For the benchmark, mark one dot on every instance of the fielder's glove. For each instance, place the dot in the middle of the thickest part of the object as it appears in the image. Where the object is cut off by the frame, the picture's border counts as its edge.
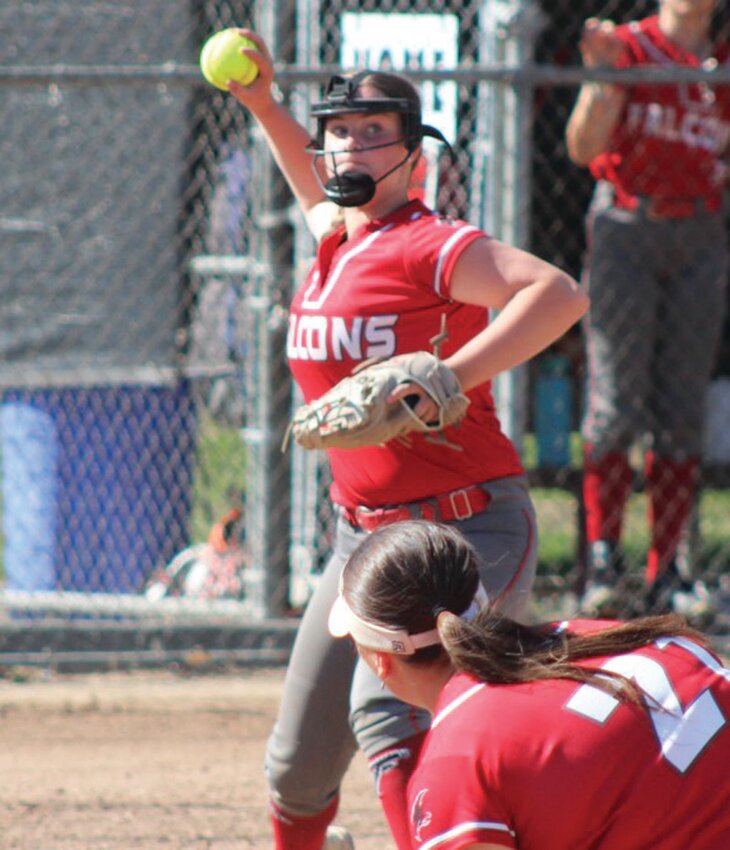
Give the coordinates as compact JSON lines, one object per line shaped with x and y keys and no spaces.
{"x":355,"y":412}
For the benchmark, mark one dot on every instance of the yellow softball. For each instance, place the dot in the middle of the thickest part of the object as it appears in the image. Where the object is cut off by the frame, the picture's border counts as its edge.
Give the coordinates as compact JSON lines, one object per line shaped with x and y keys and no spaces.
{"x":222,"y":61}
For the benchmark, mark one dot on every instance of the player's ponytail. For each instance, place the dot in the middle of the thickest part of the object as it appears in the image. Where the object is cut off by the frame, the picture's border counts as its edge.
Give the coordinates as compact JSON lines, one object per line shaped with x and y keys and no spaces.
{"x":417,"y":576}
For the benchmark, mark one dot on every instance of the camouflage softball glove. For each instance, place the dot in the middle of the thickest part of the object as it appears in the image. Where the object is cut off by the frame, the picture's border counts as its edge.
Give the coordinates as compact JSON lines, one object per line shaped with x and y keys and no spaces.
{"x":355,"y":412}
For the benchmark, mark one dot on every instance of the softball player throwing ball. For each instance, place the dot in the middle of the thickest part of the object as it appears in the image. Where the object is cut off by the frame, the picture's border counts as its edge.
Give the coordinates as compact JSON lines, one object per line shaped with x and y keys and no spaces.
{"x":381,"y":285}
{"x":656,"y":271}
{"x":583,"y":734}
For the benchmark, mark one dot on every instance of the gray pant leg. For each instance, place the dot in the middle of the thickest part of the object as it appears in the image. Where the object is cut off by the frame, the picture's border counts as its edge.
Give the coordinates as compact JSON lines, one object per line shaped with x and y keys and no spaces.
{"x":505,"y":536}
{"x":312,"y":744}
{"x":657,"y":306}
{"x":689,"y":326}
{"x":619,"y":330}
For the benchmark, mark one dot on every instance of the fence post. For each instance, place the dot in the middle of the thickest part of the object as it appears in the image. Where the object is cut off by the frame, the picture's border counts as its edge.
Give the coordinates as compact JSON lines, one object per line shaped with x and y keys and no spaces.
{"x":268,"y":477}
{"x":509,"y":30}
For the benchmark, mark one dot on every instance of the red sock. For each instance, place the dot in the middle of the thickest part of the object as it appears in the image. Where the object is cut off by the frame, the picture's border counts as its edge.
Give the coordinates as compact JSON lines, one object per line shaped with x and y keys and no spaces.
{"x":671,"y":487}
{"x":293,"y":832}
{"x":392,"y":768}
{"x":607,"y":484}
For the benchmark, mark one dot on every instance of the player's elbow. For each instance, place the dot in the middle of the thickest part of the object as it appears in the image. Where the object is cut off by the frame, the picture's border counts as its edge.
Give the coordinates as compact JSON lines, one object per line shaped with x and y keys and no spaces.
{"x":573,"y":299}
{"x":579,"y":150}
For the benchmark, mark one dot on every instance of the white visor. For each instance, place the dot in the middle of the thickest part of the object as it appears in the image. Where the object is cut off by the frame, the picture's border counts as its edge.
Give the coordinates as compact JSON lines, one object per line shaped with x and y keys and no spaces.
{"x":344,"y":621}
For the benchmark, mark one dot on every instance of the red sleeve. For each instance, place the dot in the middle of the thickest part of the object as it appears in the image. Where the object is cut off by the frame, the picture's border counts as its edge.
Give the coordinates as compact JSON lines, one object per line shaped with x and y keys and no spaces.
{"x":629,"y":58}
{"x":435,"y":243}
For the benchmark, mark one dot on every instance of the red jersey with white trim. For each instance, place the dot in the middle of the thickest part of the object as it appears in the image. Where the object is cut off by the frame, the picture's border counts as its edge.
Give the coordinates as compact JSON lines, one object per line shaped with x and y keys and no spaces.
{"x":553,"y":765}
{"x":380,"y":293}
{"x":670,"y":138}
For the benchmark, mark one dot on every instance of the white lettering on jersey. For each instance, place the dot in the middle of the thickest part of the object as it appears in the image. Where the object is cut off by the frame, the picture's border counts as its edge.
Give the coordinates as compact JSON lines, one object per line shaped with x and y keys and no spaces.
{"x":698,"y":127}
{"x":380,"y":336}
{"x":323,"y":338}
{"x":683,"y":734}
{"x":347,"y":339}
{"x":693,"y":129}
{"x":315,"y":340}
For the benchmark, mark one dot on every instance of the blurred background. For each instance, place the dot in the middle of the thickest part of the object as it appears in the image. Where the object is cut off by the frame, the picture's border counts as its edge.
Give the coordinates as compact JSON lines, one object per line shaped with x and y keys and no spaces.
{"x":149,"y":250}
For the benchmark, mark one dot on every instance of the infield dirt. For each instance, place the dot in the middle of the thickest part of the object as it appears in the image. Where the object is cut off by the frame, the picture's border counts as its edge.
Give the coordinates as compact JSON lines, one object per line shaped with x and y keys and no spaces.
{"x":148,"y":760}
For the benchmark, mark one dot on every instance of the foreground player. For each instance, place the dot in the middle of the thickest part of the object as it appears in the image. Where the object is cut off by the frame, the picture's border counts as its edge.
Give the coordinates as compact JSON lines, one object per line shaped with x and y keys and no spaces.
{"x":657,"y":271}
{"x":587,"y":734}
{"x":380,"y":285}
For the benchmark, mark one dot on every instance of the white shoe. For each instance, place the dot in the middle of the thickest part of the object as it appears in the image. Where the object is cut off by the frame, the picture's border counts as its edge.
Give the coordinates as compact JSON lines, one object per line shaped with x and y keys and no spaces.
{"x":694,"y":603}
{"x":338,"y":838}
{"x":600,"y":600}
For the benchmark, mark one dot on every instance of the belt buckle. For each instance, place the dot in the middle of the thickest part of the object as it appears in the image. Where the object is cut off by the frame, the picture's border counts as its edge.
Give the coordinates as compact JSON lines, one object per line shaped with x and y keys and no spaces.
{"x":652,"y":214}
{"x":652,"y":210}
{"x":667,"y":209}
{"x":367,"y":514}
{"x":464,"y":494}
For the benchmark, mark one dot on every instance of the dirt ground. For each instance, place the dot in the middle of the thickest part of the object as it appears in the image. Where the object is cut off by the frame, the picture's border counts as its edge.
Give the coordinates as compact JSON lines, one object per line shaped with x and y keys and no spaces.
{"x":148,"y":760}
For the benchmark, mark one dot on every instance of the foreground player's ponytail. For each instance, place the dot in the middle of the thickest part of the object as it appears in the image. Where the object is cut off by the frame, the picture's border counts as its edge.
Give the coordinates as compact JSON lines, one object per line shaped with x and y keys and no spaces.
{"x":501,"y":651}
{"x":414,"y":575}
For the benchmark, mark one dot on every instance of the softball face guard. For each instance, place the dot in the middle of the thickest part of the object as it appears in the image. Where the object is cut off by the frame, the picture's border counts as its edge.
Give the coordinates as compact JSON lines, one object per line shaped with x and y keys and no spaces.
{"x":354,"y":189}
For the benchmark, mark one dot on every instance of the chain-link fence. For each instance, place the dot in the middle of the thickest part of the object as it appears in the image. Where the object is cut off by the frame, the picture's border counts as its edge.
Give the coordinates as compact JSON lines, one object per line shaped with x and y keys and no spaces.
{"x":150,"y":247}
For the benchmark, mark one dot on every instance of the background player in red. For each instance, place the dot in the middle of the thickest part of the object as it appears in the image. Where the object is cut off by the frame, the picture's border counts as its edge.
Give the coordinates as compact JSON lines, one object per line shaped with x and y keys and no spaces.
{"x":380,"y":285}
{"x":584,"y":734}
{"x":656,"y":271}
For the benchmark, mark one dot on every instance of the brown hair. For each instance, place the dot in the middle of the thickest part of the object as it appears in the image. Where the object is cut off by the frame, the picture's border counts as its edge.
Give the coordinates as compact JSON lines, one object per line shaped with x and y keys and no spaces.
{"x":394,"y":85}
{"x":410,"y":575}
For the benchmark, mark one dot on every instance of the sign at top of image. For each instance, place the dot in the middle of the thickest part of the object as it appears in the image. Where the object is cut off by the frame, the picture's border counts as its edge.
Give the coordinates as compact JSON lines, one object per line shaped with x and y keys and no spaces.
{"x":407,"y":42}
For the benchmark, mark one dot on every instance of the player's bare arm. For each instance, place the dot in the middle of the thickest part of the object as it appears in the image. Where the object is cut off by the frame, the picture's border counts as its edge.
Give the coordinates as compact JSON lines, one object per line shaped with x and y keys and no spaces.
{"x":287,"y":139}
{"x":599,"y":106}
{"x":537,"y":304}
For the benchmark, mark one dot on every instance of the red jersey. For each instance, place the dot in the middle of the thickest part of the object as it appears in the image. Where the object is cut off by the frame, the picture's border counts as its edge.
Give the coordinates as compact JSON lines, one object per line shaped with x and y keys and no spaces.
{"x":380,"y":293}
{"x":670,"y":137}
{"x":554,"y":764}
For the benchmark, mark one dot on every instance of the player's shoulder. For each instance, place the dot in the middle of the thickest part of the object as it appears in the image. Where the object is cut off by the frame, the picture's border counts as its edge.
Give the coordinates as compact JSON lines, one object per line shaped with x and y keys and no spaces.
{"x":628,"y":30}
{"x":432,"y":243}
{"x":426,"y":219}
{"x":456,"y":695}
{"x":642,"y":38}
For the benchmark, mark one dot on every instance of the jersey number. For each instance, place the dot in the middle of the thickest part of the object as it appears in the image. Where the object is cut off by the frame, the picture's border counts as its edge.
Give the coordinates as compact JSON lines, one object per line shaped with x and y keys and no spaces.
{"x":682,"y":733}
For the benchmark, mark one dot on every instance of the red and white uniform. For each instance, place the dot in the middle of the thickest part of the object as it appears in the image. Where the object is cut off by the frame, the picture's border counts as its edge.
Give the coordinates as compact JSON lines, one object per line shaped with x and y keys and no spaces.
{"x":671,"y":137}
{"x":553,"y":765}
{"x":380,"y":293}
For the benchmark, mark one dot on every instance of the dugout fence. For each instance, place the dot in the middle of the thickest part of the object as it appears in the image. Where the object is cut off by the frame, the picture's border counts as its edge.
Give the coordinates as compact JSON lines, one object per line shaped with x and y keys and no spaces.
{"x":150,"y":247}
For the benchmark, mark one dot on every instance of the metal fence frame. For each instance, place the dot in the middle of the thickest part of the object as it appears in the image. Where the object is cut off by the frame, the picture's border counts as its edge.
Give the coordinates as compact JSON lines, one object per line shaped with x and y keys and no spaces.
{"x":286,"y":544}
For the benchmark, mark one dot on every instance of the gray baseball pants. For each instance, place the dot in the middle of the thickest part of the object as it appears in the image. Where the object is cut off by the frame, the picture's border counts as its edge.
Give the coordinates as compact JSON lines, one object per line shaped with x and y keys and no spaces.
{"x":333,"y":703}
{"x":657,"y":291}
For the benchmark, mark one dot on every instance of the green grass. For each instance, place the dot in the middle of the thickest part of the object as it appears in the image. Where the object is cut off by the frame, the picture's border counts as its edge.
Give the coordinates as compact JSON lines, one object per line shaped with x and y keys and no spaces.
{"x":219,"y":480}
{"x":557,"y":521}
